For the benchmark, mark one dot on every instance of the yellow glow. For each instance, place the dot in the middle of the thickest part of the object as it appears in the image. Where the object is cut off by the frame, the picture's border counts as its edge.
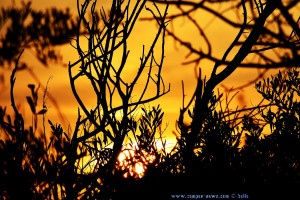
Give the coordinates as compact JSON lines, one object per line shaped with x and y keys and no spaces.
{"x":173,"y":71}
{"x":134,"y":162}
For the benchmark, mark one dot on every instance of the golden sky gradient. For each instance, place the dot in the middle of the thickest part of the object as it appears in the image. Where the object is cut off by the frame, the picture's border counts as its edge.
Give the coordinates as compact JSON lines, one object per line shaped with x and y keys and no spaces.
{"x":174,"y":72}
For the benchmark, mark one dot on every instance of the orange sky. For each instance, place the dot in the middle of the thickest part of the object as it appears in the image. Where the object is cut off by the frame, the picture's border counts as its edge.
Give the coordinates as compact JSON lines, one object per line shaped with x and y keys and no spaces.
{"x":173,"y":72}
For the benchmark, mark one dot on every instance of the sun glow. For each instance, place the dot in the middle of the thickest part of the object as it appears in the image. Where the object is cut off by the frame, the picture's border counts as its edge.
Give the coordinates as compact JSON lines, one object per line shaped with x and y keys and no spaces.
{"x":134,"y":162}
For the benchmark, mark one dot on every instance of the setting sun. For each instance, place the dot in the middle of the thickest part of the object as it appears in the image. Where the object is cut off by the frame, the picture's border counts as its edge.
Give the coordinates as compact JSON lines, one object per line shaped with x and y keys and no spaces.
{"x":134,"y":162}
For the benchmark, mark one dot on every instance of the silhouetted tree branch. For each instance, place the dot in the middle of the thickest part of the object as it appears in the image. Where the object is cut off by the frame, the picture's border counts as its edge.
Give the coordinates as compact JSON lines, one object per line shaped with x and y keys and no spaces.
{"x":273,"y":37}
{"x":116,"y":98}
{"x":268,"y":47}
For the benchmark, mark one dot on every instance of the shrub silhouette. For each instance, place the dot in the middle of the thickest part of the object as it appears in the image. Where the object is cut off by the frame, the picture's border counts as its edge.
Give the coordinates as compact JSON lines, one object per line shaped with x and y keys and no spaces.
{"x":31,"y":166}
{"x":267,"y":160}
{"x":274,"y":158}
{"x":62,"y":166}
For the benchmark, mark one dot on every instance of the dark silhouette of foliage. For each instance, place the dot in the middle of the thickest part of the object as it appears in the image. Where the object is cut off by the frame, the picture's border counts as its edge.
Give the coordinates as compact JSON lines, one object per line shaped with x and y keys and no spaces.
{"x":248,"y":43}
{"x":31,"y":166}
{"x":36,"y":31}
{"x":58,"y":170}
{"x":210,"y":137}
{"x":272,"y":158}
{"x":101,"y":126}
{"x":40,"y":31}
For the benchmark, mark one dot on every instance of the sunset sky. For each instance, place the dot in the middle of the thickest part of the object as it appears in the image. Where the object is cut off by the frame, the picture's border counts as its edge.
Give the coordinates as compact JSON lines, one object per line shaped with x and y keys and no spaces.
{"x":174,"y":72}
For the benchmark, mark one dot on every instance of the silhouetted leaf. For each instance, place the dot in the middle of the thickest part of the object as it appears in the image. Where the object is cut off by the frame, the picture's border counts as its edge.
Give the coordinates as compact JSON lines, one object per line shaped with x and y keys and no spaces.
{"x":31,"y":104}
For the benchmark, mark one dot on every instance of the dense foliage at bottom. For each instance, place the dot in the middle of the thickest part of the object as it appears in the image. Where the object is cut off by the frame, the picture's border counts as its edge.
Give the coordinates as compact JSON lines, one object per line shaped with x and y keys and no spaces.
{"x":252,"y":151}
